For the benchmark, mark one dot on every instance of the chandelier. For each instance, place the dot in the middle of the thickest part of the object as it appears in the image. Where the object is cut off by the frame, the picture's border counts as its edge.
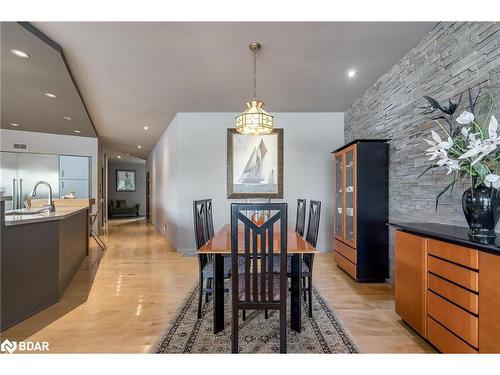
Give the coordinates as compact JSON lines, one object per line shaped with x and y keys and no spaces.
{"x":254,"y":120}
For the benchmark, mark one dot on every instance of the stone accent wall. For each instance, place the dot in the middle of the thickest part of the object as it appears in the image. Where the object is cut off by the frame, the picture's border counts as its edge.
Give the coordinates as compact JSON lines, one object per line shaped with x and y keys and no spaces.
{"x":449,"y":60}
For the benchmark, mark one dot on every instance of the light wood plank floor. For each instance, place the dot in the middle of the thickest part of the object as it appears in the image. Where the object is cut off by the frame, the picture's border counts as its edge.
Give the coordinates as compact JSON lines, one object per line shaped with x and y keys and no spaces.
{"x":121,"y":299}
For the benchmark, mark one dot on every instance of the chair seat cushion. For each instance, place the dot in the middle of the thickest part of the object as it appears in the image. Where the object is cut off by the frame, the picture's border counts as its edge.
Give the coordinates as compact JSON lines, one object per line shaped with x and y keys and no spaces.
{"x":276,"y":265}
{"x":208,"y":270}
{"x":276,"y":286}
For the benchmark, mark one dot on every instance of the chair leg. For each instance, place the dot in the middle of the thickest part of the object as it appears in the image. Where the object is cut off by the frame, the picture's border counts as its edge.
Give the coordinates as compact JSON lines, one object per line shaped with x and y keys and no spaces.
{"x":244,"y":315}
{"x":282,"y":330}
{"x":97,"y":239}
{"x":200,"y":297}
{"x":309,"y":291}
{"x":266,"y":314}
{"x":234,"y":330}
{"x":209,"y":286}
{"x":304,"y":288}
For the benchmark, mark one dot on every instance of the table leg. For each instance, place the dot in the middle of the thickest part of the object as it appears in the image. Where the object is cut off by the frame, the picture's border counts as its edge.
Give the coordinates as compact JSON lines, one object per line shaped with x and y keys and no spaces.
{"x":218,"y":289}
{"x":296,"y":292}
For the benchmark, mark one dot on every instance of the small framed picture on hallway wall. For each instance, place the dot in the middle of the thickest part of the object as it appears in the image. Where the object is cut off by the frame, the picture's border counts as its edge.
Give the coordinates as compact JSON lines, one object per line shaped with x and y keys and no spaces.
{"x":125,"y":180}
{"x":254,"y":165}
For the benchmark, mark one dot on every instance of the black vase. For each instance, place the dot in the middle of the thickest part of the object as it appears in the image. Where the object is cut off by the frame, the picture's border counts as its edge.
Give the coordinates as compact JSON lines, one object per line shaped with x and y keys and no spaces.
{"x":481,"y":207}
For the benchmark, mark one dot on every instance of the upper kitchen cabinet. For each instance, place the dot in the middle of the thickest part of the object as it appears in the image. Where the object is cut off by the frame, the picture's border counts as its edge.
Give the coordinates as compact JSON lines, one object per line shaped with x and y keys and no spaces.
{"x":73,"y":167}
{"x":361,"y":209}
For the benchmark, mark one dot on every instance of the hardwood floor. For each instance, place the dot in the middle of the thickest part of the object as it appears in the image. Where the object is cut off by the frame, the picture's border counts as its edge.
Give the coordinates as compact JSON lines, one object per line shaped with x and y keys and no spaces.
{"x":120,"y":300}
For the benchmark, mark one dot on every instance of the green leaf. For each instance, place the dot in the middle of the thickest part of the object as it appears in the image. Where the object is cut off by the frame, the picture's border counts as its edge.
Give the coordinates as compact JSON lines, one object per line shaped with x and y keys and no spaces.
{"x":427,"y":170}
{"x":444,"y":191}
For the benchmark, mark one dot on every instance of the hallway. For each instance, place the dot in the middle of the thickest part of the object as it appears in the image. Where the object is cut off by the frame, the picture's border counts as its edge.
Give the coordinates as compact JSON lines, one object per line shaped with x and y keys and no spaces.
{"x":121,"y":300}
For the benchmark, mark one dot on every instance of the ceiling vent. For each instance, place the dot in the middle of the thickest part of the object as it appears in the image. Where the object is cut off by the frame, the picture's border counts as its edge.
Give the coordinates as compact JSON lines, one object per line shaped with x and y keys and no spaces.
{"x":21,"y":146}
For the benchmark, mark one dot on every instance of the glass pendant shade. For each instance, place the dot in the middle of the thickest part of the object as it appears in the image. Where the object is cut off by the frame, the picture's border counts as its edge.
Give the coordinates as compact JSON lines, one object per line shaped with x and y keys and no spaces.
{"x":254,"y":120}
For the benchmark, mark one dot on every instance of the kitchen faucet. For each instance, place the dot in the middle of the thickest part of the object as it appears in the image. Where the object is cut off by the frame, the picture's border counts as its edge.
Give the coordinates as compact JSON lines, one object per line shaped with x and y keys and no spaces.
{"x":50,"y":203}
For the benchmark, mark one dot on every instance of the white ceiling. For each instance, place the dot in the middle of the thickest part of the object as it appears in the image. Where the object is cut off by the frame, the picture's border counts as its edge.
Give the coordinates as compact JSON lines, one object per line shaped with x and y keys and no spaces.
{"x":25,"y":81}
{"x":133,"y":74}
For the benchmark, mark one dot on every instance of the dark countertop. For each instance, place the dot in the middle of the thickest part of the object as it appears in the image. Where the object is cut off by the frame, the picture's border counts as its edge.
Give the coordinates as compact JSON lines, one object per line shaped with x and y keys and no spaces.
{"x":451,"y":233}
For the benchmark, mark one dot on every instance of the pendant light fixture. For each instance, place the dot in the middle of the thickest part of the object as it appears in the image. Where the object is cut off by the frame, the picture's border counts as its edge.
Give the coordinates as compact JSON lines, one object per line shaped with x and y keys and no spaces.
{"x":254,"y":120}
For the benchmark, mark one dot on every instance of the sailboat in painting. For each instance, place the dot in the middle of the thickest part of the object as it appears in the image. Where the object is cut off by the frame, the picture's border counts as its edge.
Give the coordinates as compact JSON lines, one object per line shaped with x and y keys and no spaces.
{"x":270,"y":179}
{"x":252,"y":173}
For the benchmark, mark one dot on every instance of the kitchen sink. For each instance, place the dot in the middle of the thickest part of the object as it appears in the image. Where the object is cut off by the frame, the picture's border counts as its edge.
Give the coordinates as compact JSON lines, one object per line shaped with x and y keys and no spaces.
{"x":26,"y":211}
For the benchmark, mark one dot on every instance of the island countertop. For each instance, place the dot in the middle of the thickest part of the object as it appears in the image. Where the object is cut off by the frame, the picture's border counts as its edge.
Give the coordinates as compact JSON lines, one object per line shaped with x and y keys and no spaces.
{"x":59,"y":214}
{"x":451,"y":233}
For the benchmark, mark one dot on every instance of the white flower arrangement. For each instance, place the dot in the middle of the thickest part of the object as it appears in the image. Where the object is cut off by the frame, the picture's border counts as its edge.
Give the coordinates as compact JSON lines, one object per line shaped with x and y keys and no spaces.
{"x":469,"y":151}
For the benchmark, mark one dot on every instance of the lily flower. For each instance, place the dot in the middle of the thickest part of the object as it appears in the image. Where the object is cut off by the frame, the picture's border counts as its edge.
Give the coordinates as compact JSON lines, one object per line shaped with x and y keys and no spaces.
{"x":465,"y":118}
{"x":492,"y":180}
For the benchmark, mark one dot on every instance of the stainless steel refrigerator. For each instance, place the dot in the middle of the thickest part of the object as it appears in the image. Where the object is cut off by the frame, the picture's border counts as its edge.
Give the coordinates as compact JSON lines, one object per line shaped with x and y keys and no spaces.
{"x":20,"y":171}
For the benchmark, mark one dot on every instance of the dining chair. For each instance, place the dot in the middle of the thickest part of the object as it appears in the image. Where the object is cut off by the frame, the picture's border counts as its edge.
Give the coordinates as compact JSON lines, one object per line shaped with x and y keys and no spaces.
{"x":92,"y":221}
{"x":308,"y":259}
{"x":300,"y":222}
{"x":203,"y":231}
{"x":258,"y":287}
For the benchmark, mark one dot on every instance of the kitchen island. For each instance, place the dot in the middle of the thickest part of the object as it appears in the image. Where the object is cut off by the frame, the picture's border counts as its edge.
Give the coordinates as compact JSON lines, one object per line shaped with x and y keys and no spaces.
{"x":40,"y":254}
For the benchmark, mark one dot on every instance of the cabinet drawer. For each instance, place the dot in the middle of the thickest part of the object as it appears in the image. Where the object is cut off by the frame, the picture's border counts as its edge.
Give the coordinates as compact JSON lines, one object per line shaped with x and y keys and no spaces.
{"x":454,"y":253}
{"x":458,"y":321}
{"x":444,"y":340}
{"x":462,"y":276}
{"x":345,"y":250}
{"x":345,"y":264}
{"x":456,"y":294}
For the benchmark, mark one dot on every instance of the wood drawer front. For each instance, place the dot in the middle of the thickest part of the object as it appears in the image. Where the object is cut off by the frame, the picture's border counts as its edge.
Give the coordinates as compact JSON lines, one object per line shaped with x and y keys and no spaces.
{"x":345,"y":250}
{"x":345,"y":264}
{"x":458,"y":321}
{"x":459,"y":275}
{"x":460,"y":296}
{"x":444,"y":340}
{"x":454,"y":253}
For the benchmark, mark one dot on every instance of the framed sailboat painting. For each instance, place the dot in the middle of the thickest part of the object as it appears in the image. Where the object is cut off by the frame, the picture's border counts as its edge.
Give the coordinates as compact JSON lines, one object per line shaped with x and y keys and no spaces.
{"x":254,"y":165}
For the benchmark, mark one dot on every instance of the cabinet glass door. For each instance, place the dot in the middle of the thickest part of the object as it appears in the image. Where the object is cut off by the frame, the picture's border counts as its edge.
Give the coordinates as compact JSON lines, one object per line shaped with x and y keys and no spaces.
{"x":350,"y":196}
{"x":339,"y":197}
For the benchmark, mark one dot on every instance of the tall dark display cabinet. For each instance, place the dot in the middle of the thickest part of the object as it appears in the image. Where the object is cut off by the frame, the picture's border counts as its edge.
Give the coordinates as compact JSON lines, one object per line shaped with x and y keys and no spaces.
{"x":361,"y":214}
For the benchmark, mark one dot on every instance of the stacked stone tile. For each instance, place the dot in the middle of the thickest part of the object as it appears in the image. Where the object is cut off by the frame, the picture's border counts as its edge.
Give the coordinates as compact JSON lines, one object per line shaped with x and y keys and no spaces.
{"x":450,"y":59}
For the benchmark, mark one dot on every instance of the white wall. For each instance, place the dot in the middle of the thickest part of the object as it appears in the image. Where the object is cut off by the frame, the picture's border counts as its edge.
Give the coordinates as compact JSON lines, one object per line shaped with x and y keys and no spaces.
{"x":189,"y":162}
{"x":44,"y":143}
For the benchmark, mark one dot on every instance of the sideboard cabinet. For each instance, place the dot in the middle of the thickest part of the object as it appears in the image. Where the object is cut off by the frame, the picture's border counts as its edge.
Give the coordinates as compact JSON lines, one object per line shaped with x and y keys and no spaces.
{"x":361,"y":209}
{"x":448,"y":292}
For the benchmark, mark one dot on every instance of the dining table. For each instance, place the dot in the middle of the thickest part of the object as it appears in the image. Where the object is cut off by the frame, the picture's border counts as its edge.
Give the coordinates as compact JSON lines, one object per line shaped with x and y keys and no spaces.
{"x":220,"y":246}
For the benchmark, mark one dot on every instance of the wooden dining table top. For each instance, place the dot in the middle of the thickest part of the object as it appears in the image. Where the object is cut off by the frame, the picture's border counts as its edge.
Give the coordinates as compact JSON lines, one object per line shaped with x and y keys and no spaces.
{"x":221,"y":242}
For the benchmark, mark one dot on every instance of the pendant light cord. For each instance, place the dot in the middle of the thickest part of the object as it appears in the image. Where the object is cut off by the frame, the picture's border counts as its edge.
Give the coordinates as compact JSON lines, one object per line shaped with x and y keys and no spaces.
{"x":254,"y":74}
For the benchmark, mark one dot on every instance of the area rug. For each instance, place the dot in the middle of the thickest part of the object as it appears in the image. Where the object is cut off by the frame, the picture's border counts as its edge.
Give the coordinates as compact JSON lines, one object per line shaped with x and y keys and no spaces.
{"x":323,"y":333}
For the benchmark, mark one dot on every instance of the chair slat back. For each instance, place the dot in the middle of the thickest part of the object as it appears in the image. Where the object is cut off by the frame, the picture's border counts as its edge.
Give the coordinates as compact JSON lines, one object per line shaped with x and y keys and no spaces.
{"x":300,"y":222}
{"x":200,"y":222}
{"x":210,"y":219}
{"x":98,"y":212}
{"x":313,"y":223}
{"x":258,"y":254}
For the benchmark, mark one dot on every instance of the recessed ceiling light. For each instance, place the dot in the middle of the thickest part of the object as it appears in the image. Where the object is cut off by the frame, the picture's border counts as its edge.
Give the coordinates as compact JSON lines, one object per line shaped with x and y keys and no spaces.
{"x":77,"y":131}
{"x":139,"y":146}
{"x":14,"y":124}
{"x":50,"y":95}
{"x":20,"y":53}
{"x":119,"y":157}
{"x":67,"y":118}
{"x":351,"y":73}
{"x":146,"y":127}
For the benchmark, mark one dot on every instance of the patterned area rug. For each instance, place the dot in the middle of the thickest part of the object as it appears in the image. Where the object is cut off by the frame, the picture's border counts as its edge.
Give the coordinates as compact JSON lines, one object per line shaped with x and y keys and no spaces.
{"x":322,"y":333}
